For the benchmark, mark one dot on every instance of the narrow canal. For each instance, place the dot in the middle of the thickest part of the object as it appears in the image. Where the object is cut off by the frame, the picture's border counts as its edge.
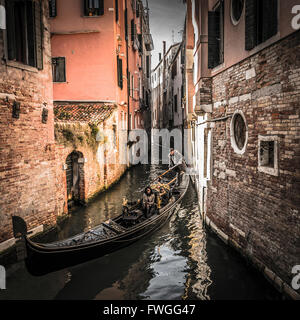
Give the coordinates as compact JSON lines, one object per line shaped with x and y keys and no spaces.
{"x":181,"y":261}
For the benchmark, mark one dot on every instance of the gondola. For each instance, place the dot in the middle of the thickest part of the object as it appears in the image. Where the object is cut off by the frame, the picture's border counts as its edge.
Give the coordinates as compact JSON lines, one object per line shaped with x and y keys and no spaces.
{"x":106,"y":238}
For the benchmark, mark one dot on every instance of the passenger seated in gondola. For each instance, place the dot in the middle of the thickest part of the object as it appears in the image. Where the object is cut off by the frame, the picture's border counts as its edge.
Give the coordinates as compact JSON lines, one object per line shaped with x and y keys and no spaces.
{"x":164,"y":196}
{"x":148,"y":202}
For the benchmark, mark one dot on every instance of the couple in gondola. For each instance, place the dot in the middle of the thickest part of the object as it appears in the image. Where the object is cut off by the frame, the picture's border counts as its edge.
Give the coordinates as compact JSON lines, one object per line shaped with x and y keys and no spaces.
{"x":149,"y":201}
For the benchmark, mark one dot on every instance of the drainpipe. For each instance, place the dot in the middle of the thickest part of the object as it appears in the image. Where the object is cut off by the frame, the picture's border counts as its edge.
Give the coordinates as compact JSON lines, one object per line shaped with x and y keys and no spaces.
{"x":164,"y":83}
{"x":128,"y":83}
{"x":127,"y":73}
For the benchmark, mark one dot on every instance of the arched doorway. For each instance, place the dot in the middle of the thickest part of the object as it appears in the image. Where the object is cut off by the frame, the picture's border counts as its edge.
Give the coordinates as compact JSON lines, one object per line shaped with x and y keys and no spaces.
{"x":75,"y":178}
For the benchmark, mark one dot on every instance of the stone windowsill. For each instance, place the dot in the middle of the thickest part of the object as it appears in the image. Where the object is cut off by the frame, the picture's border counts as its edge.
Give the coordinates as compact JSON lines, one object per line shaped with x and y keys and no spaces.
{"x":21,"y":66}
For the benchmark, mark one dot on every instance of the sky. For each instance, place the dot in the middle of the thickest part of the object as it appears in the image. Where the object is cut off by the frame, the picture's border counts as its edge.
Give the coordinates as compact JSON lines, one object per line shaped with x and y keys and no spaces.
{"x":165,"y":16}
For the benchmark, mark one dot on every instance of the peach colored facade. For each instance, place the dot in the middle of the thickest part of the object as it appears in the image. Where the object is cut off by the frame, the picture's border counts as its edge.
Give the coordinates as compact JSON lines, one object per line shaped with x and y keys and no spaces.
{"x":90,"y":46}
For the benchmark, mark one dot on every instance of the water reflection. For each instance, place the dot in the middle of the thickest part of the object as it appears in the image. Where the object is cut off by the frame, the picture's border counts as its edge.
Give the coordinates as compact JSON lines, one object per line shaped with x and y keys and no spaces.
{"x":180,"y":261}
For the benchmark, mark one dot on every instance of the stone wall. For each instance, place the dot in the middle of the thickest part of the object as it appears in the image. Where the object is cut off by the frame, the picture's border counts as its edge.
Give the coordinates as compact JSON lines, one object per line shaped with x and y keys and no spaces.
{"x":259,"y":212}
{"x":27,"y":150}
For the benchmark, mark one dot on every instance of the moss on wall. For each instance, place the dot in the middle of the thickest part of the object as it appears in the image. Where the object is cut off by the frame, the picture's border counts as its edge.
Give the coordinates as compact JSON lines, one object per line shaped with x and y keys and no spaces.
{"x":76,"y":135}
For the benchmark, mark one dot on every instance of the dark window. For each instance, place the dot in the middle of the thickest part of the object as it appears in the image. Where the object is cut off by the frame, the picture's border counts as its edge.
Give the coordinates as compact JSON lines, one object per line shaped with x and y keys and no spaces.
{"x":93,"y":7}
{"x":59,"y":69}
{"x":126,"y":23}
{"x":148,"y":66}
{"x":140,"y":38}
{"x":216,"y":36}
{"x":132,"y":30}
{"x":175,"y":103}
{"x":24,"y":32}
{"x":261,"y":21}
{"x":174,"y":69}
{"x":52,"y":9}
{"x":237,"y":7}
{"x":117,"y":9}
{"x":267,"y":149}
{"x":239,"y":131}
{"x":120,"y":72}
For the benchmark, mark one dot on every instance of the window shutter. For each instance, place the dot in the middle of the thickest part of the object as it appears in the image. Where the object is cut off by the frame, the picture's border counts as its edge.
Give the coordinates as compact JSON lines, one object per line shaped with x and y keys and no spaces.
{"x":11,"y":45}
{"x":132,"y":30}
{"x":38,"y":34}
{"x":101,"y":7}
{"x":61,"y":68}
{"x":117,"y":9}
{"x":270,"y":19}
{"x":52,"y":9}
{"x":213,"y":39}
{"x":251,"y":24}
{"x":120,"y":72}
{"x":31,"y":33}
{"x":126,"y":24}
{"x":148,"y":66}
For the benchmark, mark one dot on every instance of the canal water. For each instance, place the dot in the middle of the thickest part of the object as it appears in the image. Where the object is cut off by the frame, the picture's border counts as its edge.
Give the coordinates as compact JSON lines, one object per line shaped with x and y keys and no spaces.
{"x":183,"y":260}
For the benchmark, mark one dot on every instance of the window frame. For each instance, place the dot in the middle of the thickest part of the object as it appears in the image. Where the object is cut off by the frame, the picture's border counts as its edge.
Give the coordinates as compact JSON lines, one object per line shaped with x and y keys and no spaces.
{"x":233,"y":19}
{"x":33,"y":58}
{"x":101,"y":9}
{"x":258,"y":31}
{"x":212,"y":17}
{"x":65,"y":71}
{"x":273,"y":171}
{"x":234,"y":145}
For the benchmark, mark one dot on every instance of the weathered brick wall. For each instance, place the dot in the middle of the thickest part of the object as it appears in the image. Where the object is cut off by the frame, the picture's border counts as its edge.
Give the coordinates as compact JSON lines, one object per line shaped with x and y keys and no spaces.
{"x":258,"y":211}
{"x":27,"y":151}
{"x":97,"y":174}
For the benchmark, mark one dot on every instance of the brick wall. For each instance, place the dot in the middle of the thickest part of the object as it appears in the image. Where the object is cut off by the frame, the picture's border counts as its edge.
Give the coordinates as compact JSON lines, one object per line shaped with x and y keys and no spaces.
{"x":27,"y":150}
{"x":258,"y":211}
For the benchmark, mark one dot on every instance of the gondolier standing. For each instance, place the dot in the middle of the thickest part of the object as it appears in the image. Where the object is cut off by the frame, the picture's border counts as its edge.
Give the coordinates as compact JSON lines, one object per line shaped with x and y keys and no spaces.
{"x":176,"y":159}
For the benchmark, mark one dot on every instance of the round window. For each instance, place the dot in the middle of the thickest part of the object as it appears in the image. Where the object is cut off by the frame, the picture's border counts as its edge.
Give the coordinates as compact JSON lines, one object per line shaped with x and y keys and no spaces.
{"x":239,"y":133}
{"x":237,"y":7}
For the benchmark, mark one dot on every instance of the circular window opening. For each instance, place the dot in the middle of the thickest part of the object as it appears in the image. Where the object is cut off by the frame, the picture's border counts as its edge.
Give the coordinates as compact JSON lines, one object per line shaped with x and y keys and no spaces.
{"x":239,"y":133}
{"x":237,"y":7}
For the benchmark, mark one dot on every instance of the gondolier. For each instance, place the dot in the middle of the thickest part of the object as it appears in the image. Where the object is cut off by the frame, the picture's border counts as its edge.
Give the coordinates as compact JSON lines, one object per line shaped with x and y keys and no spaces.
{"x":177,"y":159}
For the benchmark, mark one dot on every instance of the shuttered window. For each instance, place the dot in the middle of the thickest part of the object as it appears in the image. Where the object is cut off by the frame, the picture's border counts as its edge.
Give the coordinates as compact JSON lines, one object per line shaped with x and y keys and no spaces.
{"x":148,"y":66}
{"x":25,"y":32}
{"x":132,"y":30}
{"x":117,"y":9}
{"x":261,"y":21}
{"x":120,"y":72}
{"x":59,"y":69}
{"x":93,"y":8}
{"x":216,"y":36}
{"x":52,"y":9}
{"x":126,"y":23}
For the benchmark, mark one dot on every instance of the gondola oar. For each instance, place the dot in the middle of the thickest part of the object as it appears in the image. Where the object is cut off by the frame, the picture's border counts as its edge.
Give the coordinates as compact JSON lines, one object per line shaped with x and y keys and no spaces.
{"x":164,"y":173}
{"x":150,"y":183}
